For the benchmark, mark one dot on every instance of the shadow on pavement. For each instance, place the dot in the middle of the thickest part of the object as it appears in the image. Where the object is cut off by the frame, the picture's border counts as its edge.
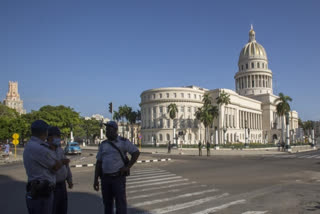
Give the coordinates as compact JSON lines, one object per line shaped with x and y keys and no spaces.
{"x":12,"y":199}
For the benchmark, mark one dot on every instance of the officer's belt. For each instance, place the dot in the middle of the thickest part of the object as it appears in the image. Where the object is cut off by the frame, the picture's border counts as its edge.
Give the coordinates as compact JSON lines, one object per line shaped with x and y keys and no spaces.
{"x":112,"y":174}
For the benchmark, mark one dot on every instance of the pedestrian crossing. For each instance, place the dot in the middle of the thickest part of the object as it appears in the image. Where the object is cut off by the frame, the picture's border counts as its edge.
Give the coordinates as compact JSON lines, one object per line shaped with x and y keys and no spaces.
{"x":294,"y":156}
{"x":157,"y":191}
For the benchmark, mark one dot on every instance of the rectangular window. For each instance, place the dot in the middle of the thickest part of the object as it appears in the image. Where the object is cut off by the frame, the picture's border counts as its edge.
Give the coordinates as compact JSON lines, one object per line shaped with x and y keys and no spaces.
{"x":189,"y":95}
{"x":258,"y":65}
{"x":160,"y":95}
{"x":252,"y":65}
{"x":189,"y":109}
{"x":199,"y":97}
{"x":168,"y":123}
{"x":195,"y":96}
{"x":175,"y":95}
{"x":182,"y":95}
{"x":242,"y":67}
{"x":246,"y":66}
{"x":161,"y":109}
{"x":167,"y":95}
{"x":154,"y":96}
{"x":182,"y":109}
{"x":161,"y":123}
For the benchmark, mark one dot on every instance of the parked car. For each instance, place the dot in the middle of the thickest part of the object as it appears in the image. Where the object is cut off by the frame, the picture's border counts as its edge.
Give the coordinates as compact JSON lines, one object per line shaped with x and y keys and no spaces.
{"x":72,"y":148}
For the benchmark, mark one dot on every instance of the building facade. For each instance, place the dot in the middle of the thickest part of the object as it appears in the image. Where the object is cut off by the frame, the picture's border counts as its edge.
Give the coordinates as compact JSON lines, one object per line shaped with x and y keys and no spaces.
{"x":13,"y":98}
{"x":251,"y":112}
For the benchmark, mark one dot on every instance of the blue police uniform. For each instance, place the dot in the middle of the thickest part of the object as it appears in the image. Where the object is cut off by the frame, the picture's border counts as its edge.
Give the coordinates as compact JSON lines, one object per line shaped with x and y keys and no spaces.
{"x":113,"y":184}
{"x":38,"y":162}
{"x":60,"y":201}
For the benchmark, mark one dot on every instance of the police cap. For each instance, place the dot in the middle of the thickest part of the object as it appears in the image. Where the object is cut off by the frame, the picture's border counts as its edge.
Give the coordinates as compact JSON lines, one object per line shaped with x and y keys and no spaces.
{"x":53,"y":130}
{"x":39,"y":127}
{"x":112,"y":124}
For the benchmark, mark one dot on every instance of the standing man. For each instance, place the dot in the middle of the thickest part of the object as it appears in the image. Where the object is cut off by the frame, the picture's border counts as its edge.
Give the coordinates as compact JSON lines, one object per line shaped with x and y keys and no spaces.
{"x":7,"y":149}
{"x":169,"y":147}
{"x":200,"y":149}
{"x":111,"y":169}
{"x":60,"y":198}
{"x":41,"y":165}
{"x":208,"y":148}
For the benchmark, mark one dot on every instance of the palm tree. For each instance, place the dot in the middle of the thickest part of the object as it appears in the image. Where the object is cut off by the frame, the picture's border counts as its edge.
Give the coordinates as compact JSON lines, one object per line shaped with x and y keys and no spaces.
{"x":116,"y":116}
{"x":223,"y":99}
{"x":173,"y":110}
{"x":206,"y":115}
{"x":283,"y":108}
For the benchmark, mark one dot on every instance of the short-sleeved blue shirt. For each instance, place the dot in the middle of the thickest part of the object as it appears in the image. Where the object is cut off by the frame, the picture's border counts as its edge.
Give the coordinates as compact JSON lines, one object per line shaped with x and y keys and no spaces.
{"x":110,"y":157}
{"x":38,"y":161}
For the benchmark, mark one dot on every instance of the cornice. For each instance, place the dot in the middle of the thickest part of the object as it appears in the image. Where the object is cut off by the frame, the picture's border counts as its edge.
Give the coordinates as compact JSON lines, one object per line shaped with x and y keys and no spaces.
{"x":171,"y":101}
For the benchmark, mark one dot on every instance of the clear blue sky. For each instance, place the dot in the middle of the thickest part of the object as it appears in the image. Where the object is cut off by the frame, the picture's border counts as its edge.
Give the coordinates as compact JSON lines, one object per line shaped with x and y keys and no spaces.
{"x":85,"y":54}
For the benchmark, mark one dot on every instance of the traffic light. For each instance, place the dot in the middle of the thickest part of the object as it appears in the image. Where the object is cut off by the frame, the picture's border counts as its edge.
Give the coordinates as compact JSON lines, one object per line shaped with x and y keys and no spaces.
{"x":110,"y":107}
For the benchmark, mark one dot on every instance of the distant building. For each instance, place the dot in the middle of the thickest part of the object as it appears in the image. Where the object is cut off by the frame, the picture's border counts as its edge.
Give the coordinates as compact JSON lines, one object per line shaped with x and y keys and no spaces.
{"x":98,"y":117}
{"x":13,"y":98}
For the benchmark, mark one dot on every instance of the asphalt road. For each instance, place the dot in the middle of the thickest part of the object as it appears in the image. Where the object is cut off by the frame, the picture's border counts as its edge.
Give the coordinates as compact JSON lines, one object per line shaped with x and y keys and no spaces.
{"x":191,"y":184}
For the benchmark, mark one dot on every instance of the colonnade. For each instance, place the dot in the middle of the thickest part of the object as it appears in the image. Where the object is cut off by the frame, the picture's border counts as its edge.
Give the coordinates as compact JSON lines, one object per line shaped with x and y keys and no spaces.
{"x":254,"y":81}
{"x":254,"y":121}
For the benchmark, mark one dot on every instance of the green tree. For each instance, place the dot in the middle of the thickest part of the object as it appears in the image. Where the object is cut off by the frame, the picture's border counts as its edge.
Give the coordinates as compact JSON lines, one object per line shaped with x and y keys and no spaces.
{"x":173,"y":110}
{"x":206,"y":114}
{"x":282,"y":107}
{"x":116,"y":116}
{"x":223,"y":99}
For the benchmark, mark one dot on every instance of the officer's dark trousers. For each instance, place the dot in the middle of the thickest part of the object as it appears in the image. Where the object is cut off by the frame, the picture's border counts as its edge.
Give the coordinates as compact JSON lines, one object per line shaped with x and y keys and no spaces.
{"x":60,"y":199}
{"x":42,"y":205}
{"x":114,"y":188}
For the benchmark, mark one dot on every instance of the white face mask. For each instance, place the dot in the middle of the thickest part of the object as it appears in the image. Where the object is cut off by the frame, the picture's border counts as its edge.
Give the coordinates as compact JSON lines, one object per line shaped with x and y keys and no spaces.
{"x":56,"y":142}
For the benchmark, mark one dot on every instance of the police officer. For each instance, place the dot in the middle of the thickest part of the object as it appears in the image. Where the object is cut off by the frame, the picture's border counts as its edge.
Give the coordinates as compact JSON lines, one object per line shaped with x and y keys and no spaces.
{"x":200,"y":149}
{"x":41,"y":164}
{"x":60,"y":199}
{"x":111,"y":169}
{"x":208,"y":148}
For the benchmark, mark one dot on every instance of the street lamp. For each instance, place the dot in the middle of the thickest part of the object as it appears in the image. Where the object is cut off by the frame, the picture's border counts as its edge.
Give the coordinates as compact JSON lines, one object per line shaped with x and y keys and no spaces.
{"x":288,"y":147}
{"x":216,"y":141}
{"x":245,"y":134}
{"x":224,"y":134}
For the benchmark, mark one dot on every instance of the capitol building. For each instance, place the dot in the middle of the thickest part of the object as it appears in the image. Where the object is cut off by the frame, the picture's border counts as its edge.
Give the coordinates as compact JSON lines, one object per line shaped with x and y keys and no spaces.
{"x":251,"y":106}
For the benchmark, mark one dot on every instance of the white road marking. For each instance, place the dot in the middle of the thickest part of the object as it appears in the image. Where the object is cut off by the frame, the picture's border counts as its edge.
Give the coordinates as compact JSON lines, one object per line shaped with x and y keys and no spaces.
{"x":161,"y":187}
{"x":255,"y":212}
{"x":218,"y":208}
{"x":173,"y":198}
{"x":187,"y":204}
{"x":144,"y":178}
{"x":153,"y":180}
{"x":147,"y":172}
{"x":151,"y":174}
{"x":303,"y":156}
{"x":90,"y":164}
{"x":156,"y":183}
{"x":159,"y":193}
{"x":312,"y":156}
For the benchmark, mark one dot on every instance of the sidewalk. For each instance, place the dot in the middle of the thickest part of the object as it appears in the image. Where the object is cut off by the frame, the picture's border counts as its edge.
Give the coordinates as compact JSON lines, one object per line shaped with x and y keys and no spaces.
{"x":9,"y":159}
{"x":221,"y":151}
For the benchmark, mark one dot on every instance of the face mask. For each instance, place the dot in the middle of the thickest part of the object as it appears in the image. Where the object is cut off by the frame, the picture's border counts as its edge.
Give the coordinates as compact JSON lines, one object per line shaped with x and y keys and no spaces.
{"x":56,"y":142}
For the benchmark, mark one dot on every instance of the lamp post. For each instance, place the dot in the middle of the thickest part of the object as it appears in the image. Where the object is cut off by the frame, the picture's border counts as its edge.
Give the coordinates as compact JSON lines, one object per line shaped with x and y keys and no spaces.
{"x":216,"y":141}
{"x":245,"y":134}
{"x":312,"y":138}
{"x":288,"y":147}
{"x":71,"y":133}
{"x":224,"y":134}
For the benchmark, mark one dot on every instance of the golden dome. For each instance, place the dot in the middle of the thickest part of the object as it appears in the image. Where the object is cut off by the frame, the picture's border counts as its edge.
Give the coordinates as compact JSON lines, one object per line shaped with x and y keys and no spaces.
{"x":252,"y":49}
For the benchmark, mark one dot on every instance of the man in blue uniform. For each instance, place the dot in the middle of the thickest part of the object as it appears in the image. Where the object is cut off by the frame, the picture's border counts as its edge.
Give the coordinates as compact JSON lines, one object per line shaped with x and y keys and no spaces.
{"x":112,"y":169}
{"x":60,"y":199}
{"x":41,"y":165}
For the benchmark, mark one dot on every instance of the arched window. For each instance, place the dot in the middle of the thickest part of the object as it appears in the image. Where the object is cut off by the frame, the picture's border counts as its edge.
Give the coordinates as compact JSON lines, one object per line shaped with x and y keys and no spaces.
{"x":168,"y":137}
{"x":160,"y":138}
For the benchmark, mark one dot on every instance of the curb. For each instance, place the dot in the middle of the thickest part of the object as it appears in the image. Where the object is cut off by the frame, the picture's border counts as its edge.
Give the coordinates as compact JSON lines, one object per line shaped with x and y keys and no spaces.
{"x":141,"y":161}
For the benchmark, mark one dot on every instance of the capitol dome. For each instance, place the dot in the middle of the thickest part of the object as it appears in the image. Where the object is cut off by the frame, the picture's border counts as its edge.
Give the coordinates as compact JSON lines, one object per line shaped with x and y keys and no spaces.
{"x":252,"y":49}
